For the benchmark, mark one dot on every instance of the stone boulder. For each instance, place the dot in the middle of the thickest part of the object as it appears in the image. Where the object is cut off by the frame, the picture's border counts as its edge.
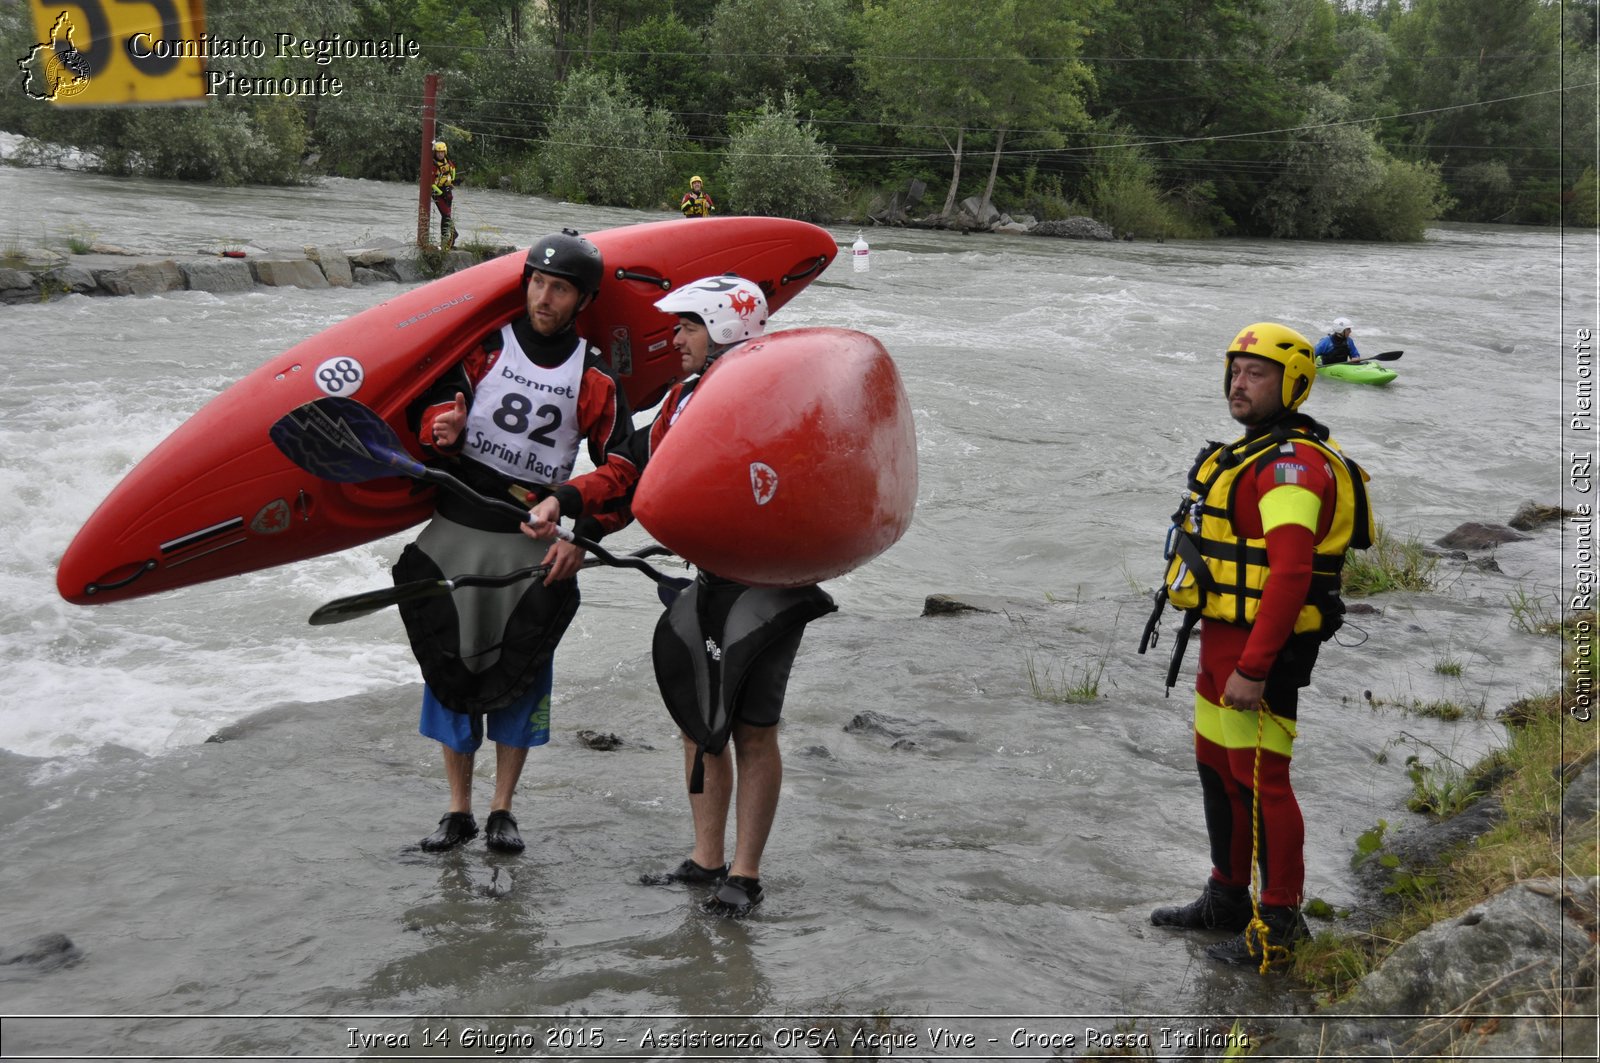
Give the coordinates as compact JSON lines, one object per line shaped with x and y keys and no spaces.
{"x":1531,"y":516}
{"x":65,"y":280}
{"x":335,"y":265}
{"x":17,"y":286}
{"x":982,"y":214}
{"x":219,"y":275}
{"x":288,"y":273}
{"x":1075,"y":229}
{"x":146,"y":278}
{"x":1475,"y":536}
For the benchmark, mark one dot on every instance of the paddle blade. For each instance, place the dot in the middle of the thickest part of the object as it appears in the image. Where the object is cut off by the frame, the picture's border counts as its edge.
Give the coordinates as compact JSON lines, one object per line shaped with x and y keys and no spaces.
{"x":342,"y":440}
{"x":1386,"y":356}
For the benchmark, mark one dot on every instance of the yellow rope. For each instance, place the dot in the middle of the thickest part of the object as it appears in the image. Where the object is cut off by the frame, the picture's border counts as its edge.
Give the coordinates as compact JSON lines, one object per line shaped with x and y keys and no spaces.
{"x":1257,"y":929}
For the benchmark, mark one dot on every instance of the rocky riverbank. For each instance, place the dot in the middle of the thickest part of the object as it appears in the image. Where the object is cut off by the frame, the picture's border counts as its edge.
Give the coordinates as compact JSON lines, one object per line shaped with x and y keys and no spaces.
{"x":40,"y":274}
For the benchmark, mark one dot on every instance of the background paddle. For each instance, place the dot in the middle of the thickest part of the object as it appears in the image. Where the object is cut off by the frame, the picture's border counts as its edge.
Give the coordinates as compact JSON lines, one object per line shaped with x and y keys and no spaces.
{"x":347,"y":442}
{"x":1386,"y":356}
{"x":368,"y":602}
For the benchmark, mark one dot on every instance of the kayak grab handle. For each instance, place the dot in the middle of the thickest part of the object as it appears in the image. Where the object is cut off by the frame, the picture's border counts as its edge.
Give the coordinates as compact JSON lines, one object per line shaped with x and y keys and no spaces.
{"x":790,"y":278}
{"x":628,"y":275}
{"x":96,"y":588}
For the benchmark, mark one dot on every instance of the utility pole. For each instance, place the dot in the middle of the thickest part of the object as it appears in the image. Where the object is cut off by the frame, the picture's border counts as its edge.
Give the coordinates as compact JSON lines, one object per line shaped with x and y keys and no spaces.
{"x":430,"y":92}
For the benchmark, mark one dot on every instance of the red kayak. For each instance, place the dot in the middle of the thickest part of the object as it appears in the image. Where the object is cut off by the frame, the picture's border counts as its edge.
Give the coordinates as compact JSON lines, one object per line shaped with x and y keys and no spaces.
{"x":794,"y":462}
{"x":217,"y":498}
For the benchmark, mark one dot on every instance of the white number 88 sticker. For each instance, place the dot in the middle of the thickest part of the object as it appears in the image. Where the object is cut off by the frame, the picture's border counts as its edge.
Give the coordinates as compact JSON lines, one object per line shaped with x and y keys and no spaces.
{"x":340,"y":376}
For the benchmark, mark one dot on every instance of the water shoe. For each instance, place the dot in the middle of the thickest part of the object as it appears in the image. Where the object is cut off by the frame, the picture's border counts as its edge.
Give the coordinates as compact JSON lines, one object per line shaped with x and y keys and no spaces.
{"x":500,"y":832}
{"x":735,"y":897}
{"x":689,"y":873}
{"x":1219,"y":907}
{"x":454,"y":828}
{"x":1286,"y":928}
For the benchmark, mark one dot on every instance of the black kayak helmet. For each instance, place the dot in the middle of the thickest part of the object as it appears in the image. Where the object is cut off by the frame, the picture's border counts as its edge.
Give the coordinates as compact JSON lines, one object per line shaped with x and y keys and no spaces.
{"x":566,"y":254}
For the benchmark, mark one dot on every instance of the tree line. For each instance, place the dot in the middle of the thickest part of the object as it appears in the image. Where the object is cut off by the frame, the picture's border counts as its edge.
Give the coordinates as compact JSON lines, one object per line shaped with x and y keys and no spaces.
{"x":1306,"y":119}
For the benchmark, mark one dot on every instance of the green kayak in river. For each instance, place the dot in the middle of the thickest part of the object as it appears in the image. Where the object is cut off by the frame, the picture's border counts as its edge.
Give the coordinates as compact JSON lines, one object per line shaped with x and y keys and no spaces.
{"x":1358,"y":373}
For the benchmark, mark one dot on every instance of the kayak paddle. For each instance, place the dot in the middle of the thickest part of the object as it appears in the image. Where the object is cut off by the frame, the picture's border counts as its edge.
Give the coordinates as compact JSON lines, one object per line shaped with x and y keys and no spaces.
{"x":347,"y":442}
{"x":366,"y":603}
{"x":1386,"y":356}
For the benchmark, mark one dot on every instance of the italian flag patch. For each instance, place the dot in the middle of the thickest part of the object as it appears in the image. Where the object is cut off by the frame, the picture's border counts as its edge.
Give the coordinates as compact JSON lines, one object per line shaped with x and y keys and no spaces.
{"x":1287,"y":472}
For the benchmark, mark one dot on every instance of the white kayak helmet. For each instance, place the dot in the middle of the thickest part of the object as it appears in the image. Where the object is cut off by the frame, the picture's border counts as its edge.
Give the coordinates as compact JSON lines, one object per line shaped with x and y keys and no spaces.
{"x":732,"y":308}
{"x":1339,"y":325}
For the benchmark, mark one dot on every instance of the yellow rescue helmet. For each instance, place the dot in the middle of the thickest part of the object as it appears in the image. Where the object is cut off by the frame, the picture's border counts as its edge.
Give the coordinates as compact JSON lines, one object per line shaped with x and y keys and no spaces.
{"x":695,"y":180}
{"x":1281,"y":344}
{"x":439,"y":145}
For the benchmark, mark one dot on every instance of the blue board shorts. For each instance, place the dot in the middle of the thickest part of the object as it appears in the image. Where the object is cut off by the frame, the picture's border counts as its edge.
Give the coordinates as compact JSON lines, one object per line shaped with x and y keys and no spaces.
{"x":523,"y":724}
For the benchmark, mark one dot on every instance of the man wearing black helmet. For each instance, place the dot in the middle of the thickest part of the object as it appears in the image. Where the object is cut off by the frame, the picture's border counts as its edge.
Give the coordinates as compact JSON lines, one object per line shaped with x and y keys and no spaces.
{"x":740,"y":640}
{"x":1254,"y":556}
{"x":511,"y":415}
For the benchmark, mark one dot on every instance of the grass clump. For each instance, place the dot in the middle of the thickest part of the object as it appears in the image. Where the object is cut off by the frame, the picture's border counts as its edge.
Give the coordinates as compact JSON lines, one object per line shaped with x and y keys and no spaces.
{"x":1547,"y":748}
{"x":1389,"y":565}
{"x":1076,"y":686}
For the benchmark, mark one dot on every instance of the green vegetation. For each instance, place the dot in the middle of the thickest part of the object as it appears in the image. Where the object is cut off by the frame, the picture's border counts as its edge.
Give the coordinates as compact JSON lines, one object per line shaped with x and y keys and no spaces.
{"x":1293,"y":118}
{"x":1389,"y":565}
{"x":1078,"y":685}
{"x":1552,"y":737}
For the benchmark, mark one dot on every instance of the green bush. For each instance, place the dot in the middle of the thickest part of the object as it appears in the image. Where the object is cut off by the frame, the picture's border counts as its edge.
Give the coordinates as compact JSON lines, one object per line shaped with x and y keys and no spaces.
{"x":1582,"y":208}
{"x":605,"y":147}
{"x":777,"y":167}
{"x":1122,"y":191}
{"x":1407,"y":197}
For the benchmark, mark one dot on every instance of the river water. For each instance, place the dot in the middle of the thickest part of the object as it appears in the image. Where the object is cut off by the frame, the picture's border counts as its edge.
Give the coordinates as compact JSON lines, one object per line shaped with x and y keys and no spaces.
{"x":219,"y":804}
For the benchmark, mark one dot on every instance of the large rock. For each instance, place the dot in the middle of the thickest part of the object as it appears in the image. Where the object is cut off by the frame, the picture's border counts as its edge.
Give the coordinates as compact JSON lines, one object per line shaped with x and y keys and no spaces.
{"x":1475,"y":536}
{"x":288,"y":273}
{"x":982,"y":214}
{"x":220,"y":275}
{"x":1074,"y":228}
{"x":335,"y":265}
{"x":18,"y":286}
{"x":146,"y":278}
{"x":43,"y":953}
{"x":67,"y":280}
{"x":1533,"y":515}
{"x":1499,"y":981}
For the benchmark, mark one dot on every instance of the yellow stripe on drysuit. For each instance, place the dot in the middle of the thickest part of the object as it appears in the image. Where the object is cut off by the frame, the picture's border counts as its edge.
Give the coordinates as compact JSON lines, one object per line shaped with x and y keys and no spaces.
{"x":1235,"y":729}
{"x":1290,"y":504}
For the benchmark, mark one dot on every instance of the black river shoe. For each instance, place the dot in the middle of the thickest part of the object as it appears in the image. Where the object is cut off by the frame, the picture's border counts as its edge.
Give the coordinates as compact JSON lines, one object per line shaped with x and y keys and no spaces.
{"x":1286,"y":928}
{"x":454,"y":828}
{"x":500,"y":832}
{"x":1218,"y":907}
{"x":689,"y":873}
{"x":736,"y":896}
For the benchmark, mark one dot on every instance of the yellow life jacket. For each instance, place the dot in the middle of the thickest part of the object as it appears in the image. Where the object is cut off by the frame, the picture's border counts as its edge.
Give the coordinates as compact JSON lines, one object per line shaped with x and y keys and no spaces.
{"x":1214,"y":572}
{"x":696,"y":205}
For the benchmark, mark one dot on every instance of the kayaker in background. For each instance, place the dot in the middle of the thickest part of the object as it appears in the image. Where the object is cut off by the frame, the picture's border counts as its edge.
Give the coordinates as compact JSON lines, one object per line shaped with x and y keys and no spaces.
{"x":1254,"y":556}
{"x":512,"y":413}
{"x":1337,"y":346}
{"x":740,"y":641}
{"x":697,"y":202}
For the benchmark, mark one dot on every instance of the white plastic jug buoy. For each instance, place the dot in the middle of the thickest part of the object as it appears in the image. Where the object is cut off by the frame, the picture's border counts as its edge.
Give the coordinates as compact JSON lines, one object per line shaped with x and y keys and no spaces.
{"x":861,"y":254}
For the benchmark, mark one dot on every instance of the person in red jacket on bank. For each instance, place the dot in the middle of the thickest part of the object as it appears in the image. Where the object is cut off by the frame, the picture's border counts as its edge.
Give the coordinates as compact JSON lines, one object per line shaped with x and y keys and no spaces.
{"x":1255,"y":555}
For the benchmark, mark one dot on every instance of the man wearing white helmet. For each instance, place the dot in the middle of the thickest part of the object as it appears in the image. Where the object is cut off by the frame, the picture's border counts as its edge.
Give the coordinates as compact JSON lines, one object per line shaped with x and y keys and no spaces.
{"x":1337,"y":346}
{"x":747,"y":637}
